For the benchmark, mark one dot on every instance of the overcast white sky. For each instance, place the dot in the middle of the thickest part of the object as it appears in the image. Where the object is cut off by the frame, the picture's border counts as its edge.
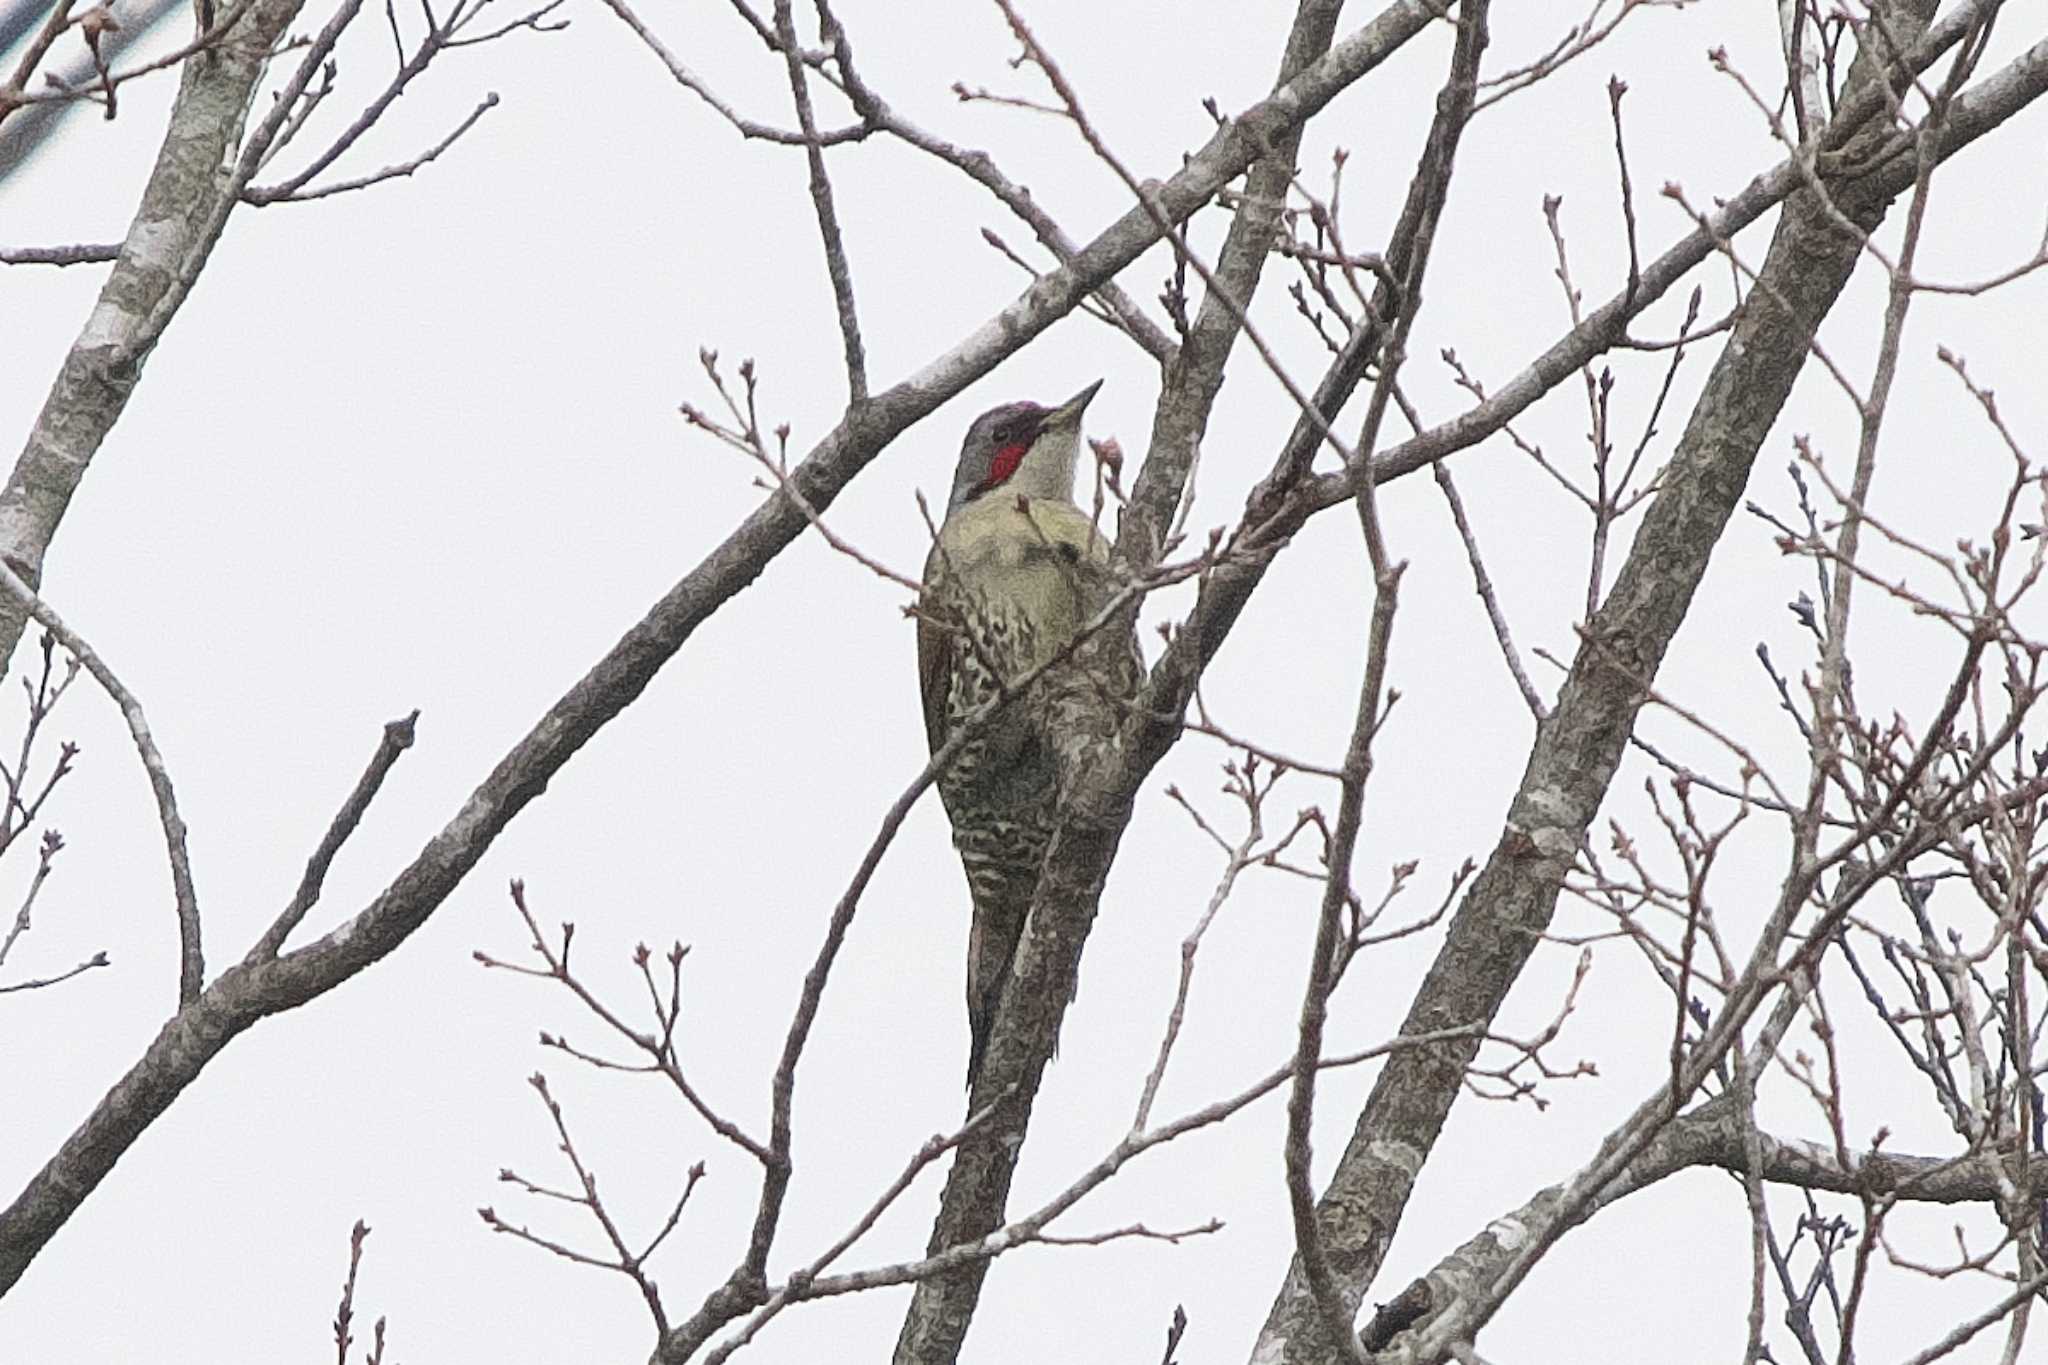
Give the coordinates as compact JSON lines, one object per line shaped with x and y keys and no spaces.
{"x":418,"y":447}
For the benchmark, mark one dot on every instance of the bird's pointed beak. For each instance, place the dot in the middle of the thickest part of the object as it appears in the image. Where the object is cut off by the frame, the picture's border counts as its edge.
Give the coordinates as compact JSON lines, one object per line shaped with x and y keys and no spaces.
{"x":1068,"y":414}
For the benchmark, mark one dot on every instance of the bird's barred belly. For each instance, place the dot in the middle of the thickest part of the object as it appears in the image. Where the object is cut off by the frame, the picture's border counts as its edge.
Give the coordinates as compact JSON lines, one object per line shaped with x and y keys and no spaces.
{"x":999,"y":786}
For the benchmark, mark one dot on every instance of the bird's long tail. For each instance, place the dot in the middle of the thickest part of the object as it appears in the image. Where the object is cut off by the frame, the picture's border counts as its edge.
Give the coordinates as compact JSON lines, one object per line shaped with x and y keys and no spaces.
{"x":1002,"y":902}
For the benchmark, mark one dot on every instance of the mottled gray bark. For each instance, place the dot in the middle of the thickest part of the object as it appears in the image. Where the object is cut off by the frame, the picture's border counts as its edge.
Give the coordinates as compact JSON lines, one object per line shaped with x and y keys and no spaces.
{"x":1098,"y":805}
{"x":1712,"y":1136}
{"x":263,"y":985}
{"x":1095,"y":803}
{"x":1577,"y":748}
{"x":102,"y":370}
{"x":183,"y":208}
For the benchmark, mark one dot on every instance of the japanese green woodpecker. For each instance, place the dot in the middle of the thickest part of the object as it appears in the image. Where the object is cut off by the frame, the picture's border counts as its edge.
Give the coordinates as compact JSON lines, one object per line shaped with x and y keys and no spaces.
{"x":1018,"y":569}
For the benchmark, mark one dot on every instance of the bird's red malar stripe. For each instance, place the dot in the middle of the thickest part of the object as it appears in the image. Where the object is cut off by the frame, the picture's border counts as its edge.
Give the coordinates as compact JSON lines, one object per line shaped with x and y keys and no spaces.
{"x":1005,"y":463}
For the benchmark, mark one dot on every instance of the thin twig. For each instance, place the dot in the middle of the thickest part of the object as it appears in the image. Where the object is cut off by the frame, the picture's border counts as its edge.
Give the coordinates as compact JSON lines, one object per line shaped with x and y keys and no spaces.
{"x":15,"y":95}
{"x":99,"y":959}
{"x":344,"y":1314}
{"x":85,"y":253}
{"x":696,"y":85}
{"x":828,"y":216}
{"x":261,"y":195}
{"x":396,"y":739}
{"x":1484,"y":585}
{"x":191,"y":958}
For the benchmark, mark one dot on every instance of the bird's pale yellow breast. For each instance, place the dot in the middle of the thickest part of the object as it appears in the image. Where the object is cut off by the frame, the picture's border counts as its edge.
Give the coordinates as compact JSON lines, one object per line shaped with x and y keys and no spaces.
{"x":1029,"y":556}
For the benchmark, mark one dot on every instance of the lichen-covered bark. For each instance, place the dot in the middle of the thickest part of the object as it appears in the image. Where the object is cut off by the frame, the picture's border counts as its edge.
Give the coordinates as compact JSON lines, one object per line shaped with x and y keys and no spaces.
{"x":166,"y":247}
{"x":1576,"y":751}
{"x":1712,"y":1135}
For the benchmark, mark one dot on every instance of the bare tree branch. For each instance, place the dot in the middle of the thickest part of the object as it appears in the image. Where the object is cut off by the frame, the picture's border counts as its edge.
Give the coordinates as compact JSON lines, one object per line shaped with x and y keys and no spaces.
{"x":85,"y":253}
{"x":397,"y":738}
{"x":279,"y":194}
{"x":191,"y":957}
{"x":828,"y":216}
{"x":1710,"y":1136}
{"x":977,"y":1186}
{"x":1578,"y":747}
{"x":182,"y":209}
{"x":245,"y":993}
